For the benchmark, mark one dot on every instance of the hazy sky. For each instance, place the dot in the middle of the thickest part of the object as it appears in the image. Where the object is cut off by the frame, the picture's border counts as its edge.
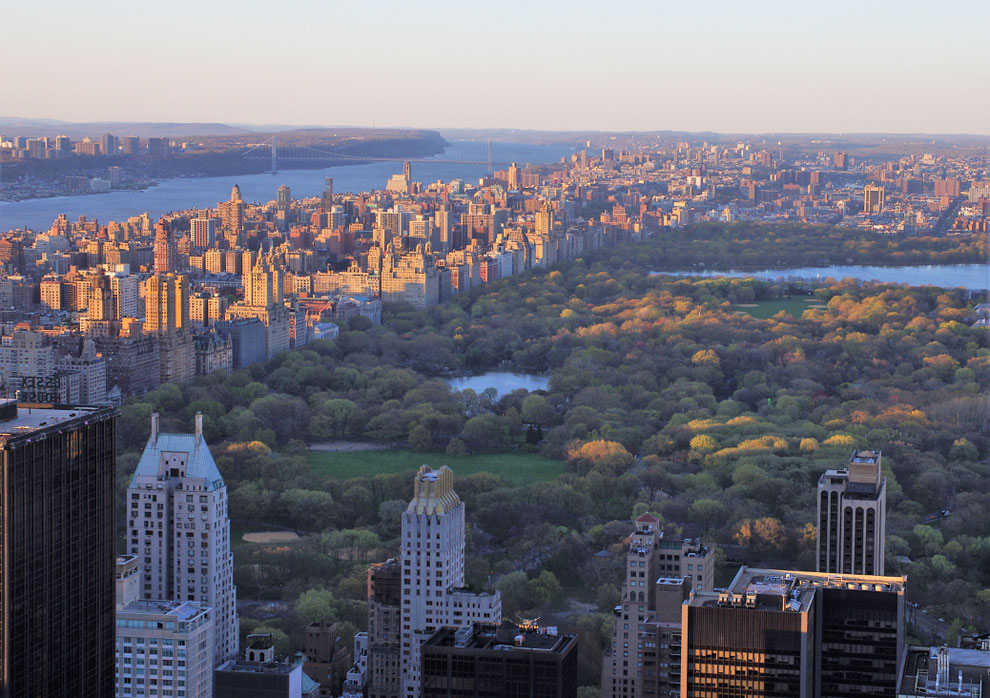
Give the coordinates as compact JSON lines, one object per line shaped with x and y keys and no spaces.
{"x":694,"y":65}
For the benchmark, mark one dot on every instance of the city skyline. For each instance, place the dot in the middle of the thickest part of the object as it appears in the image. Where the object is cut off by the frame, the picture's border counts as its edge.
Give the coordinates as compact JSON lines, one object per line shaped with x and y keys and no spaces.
{"x":764,"y":69}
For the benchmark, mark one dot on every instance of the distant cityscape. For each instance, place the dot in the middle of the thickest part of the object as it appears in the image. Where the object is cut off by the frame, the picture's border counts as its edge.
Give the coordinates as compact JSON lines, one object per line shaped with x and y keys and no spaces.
{"x":95,"y":311}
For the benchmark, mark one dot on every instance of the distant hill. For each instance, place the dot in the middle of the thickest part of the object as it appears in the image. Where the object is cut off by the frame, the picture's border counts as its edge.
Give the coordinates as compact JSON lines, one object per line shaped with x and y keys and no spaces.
{"x":16,"y":126}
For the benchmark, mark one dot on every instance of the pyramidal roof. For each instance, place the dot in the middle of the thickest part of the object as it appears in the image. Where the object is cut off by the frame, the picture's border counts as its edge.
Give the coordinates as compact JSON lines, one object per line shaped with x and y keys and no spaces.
{"x":199,"y":461}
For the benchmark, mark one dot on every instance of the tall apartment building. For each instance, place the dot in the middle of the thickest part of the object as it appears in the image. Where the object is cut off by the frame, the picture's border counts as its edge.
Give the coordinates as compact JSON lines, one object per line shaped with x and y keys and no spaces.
{"x":410,"y":278}
{"x":433,"y":592}
{"x":203,"y":232}
{"x":792,"y":633}
{"x":179,"y":526}
{"x":164,"y":648}
{"x":166,"y":255}
{"x":384,"y":629}
{"x":56,"y":551}
{"x":873,"y":199}
{"x":327,"y":659}
{"x":852,"y":513}
{"x":660,"y":574}
{"x":232,"y":211}
{"x":124,"y":287}
{"x":166,"y":303}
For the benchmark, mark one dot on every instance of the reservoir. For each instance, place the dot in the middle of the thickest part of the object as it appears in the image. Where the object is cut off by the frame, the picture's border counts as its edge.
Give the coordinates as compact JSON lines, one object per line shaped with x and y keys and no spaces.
{"x":975,"y":277}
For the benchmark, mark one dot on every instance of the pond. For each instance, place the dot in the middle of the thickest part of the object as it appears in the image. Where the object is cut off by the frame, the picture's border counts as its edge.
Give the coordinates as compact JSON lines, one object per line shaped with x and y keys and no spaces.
{"x":974,"y":277}
{"x":503,"y":382}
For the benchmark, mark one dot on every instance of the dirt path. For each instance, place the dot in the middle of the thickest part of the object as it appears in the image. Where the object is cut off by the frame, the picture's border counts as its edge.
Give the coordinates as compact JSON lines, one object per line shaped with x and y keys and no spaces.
{"x":271,"y":537}
{"x":349,"y":446}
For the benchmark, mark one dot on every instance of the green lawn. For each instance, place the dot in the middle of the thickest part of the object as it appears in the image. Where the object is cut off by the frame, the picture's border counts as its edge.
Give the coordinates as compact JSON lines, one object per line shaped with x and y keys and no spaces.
{"x":517,"y":467}
{"x":767,"y":309}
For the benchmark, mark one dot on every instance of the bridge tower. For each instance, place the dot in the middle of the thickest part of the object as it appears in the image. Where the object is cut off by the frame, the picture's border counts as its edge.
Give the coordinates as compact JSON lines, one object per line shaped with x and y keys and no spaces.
{"x":274,"y":157}
{"x":491,"y":167}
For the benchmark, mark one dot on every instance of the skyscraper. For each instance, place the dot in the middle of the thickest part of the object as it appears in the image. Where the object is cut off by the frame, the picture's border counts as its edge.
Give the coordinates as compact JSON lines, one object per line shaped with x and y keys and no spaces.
{"x":873,"y":199}
{"x":384,"y":628}
{"x":793,"y":633}
{"x":433,"y":593}
{"x":852,"y":513}
{"x":164,"y":249}
{"x":513,"y":176}
{"x":232,"y":212}
{"x":660,"y":574}
{"x":283,"y":198}
{"x":178,"y":524}
{"x":326,"y":199}
{"x":166,"y":303}
{"x":56,"y":551}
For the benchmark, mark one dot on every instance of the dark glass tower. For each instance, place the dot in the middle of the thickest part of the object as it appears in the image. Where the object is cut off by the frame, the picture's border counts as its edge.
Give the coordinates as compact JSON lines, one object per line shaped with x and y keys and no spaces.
{"x":56,"y":551}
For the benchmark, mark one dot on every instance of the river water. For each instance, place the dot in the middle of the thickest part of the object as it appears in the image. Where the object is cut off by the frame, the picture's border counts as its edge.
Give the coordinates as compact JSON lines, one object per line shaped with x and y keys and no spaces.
{"x":203,"y":192}
{"x":975,"y":277}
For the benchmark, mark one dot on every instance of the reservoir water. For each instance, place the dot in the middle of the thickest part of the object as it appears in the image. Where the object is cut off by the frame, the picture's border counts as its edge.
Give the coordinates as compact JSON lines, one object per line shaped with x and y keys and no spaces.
{"x":202,"y":192}
{"x":503,"y":382}
{"x":975,"y":277}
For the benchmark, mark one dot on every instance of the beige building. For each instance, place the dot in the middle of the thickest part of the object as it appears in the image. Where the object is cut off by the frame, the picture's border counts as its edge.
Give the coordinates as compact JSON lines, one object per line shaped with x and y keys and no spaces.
{"x":660,"y":575}
{"x":410,"y":278}
{"x":166,"y":303}
{"x":852,"y":516}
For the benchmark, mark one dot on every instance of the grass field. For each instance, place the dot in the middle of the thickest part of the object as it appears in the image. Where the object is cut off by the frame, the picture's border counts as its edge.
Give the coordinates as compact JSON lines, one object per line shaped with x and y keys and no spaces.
{"x":518,"y":468}
{"x":767,"y":309}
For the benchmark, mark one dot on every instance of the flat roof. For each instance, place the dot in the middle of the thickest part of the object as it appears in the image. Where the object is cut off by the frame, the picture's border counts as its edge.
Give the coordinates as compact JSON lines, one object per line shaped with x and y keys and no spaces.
{"x":789,"y":590}
{"x":32,"y":418}
{"x":504,"y":637}
{"x":177,"y":610}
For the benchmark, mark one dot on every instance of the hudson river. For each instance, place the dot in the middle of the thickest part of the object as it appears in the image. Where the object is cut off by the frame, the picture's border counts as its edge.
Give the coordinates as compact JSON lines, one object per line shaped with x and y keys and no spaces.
{"x":203,"y":192}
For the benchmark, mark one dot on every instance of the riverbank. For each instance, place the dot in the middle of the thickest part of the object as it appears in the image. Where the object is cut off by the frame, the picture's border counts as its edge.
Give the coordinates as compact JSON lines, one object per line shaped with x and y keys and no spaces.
{"x":14,"y":197}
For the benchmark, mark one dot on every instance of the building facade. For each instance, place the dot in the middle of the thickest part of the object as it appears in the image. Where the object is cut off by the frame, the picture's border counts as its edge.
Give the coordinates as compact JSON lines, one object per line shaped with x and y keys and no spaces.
{"x":433,"y":593}
{"x":794,"y":633}
{"x":164,"y":648}
{"x":178,"y":524}
{"x":660,"y":574}
{"x":56,"y":551}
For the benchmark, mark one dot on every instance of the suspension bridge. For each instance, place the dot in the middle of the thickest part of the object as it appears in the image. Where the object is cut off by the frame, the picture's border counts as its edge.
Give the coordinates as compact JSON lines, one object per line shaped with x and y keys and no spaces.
{"x":462,"y":155}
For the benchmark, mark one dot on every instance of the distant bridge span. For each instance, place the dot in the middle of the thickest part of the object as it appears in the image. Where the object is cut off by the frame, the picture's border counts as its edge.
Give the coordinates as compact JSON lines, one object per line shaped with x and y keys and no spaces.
{"x":269,"y":150}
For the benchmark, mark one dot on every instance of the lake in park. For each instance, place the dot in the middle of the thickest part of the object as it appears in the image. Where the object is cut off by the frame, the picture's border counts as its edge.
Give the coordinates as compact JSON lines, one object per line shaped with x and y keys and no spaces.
{"x":503,"y":382}
{"x":975,"y":277}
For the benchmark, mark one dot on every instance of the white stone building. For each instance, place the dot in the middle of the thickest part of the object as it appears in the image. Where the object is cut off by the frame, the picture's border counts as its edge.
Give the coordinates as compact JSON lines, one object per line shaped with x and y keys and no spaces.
{"x":179,"y":527}
{"x":163,"y":648}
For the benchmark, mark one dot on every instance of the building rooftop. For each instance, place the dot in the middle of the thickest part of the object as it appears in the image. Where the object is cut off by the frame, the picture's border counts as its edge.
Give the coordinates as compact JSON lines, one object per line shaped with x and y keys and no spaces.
{"x":965,"y":672}
{"x":26,"y":419}
{"x":788,"y":590}
{"x":199,"y":462}
{"x":173,"y":609}
{"x":507,"y":637}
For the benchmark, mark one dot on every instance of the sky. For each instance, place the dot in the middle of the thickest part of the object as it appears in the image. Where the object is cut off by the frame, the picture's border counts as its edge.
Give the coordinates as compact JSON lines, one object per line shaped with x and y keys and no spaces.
{"x":695,"y":65}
